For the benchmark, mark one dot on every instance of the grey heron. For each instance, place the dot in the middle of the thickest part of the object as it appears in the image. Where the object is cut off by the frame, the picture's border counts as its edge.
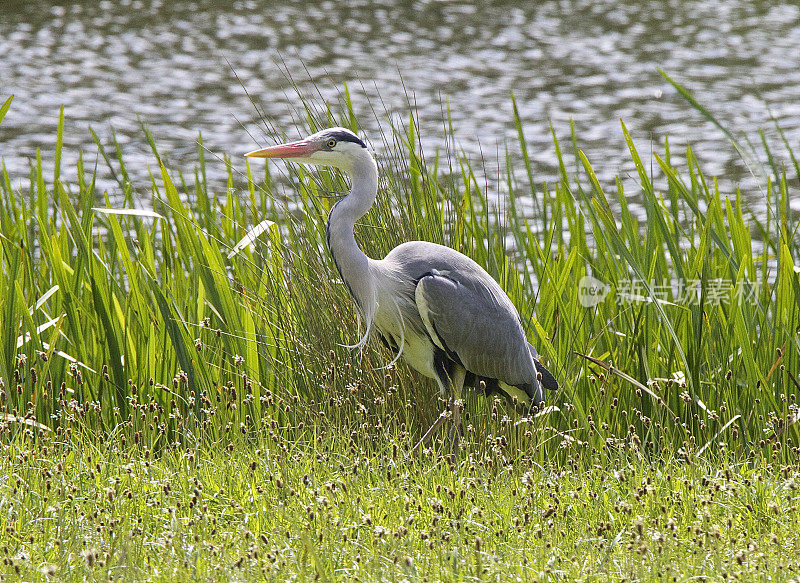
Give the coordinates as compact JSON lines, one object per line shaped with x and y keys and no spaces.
{"x":438,"y":308}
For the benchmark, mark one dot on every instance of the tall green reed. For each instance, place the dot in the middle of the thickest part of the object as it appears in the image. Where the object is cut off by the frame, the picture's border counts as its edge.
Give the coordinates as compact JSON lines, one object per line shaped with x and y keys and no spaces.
{"x":107,"y":315}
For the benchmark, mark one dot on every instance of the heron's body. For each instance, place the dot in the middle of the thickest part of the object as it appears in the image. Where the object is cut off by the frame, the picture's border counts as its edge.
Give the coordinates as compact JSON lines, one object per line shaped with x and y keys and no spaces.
{"x":483,"y":333}
{"x":438,"y":308}
{"x":398,"y":317}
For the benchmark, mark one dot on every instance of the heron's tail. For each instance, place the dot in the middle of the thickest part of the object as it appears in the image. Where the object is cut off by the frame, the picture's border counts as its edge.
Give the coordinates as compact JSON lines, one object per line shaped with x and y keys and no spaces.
{"x":521,"y":397}
{"x":548,"y":381}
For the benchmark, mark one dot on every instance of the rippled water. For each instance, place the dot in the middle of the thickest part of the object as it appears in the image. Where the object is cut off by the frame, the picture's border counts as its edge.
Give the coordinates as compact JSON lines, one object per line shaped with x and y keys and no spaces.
{"x":594,"y":62}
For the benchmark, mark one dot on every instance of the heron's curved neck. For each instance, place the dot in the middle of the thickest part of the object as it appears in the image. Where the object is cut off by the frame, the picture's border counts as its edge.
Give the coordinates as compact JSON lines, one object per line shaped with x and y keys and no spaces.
{"x":352,"y":263}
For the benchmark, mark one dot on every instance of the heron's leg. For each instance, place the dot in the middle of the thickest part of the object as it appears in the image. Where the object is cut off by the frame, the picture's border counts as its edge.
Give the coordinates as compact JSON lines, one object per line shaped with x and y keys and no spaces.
{"x":429,"y":433}
{"x":456,"y":384}
{"x":445,"y":386}
{"x":449,"y":382}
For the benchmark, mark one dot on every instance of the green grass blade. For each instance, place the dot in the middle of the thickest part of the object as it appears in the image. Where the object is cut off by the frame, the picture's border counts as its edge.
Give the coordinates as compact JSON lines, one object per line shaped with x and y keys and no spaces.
{"x":5,"y":107}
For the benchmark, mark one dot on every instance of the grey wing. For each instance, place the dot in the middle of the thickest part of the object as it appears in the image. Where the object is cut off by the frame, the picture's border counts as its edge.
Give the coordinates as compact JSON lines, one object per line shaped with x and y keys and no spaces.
{"x":483,"y":335}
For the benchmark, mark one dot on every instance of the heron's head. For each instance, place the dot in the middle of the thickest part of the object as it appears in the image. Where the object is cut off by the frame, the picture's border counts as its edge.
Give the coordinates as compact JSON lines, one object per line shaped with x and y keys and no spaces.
{"x":337,"y":147}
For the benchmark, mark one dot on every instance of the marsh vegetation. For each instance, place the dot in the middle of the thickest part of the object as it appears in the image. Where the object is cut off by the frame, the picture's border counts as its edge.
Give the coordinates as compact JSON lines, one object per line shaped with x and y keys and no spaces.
{"x":177,"y":407}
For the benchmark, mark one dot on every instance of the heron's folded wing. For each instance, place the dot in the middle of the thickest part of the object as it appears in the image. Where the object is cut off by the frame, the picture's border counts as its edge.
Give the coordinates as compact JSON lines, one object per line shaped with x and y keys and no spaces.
{"x":485,"y":336}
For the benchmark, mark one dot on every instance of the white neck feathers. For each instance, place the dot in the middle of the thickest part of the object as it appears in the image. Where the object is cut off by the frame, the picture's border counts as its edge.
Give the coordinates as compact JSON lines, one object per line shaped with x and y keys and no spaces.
{"x":352,"y":263}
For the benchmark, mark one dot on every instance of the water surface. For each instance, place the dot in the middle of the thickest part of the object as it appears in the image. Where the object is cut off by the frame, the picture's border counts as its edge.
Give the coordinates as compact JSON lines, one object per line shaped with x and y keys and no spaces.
{"x":170,"y":65}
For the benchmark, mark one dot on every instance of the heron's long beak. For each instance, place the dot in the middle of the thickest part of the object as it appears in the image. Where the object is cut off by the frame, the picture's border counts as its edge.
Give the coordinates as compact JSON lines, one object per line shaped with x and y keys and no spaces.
{"x":301,"y":149}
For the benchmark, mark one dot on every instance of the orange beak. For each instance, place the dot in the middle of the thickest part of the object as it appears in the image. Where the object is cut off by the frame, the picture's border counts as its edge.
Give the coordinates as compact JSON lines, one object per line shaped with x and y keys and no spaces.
{"x":299,"y":149}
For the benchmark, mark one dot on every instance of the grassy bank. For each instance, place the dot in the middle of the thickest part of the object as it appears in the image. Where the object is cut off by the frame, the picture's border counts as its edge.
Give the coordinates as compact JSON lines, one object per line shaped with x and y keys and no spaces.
{"x":283,"y":510}
{"x":148,"y":360}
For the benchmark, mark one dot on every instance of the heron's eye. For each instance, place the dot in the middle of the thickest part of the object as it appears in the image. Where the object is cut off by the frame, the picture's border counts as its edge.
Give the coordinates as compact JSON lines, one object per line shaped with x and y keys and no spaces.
{"x":331,"y":143}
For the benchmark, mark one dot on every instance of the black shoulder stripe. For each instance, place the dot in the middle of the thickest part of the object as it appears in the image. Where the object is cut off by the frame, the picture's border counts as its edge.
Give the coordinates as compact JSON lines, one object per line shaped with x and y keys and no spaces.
{"x":388,"y":342}
{"x":443,"y":365}
{"x":450,"y":354}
